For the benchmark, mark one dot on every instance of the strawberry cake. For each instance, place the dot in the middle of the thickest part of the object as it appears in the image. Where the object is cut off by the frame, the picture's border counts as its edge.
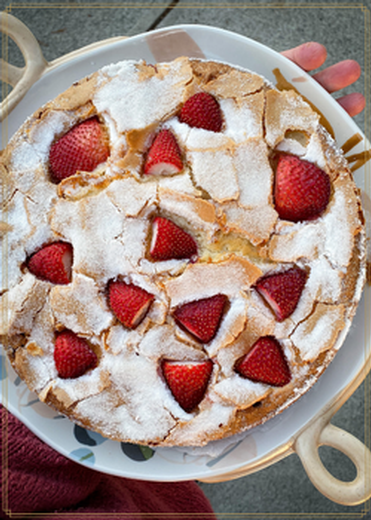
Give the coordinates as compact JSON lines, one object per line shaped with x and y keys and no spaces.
{"x":186,"y":251}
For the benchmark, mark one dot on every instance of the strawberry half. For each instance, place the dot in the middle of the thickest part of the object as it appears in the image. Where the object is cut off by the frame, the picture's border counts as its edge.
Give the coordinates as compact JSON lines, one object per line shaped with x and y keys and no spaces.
{"x":52,"y":263}
{"x":164,"y":156}
{"x":265,"y":363}
{"x":169,"y":241}
{"x":202,"y":317}
{"x":202,"y":110}
{"x":72,"y":355}
{"x":282,"y":291}
{"x":129,"y":303}
{"x":187,"y":381}
{"x":82,"y":148}
{"x":302,"y":190}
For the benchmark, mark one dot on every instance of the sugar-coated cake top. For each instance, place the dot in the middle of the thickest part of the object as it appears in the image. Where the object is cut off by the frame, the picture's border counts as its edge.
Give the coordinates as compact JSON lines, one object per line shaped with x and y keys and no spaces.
{"x":200,"y":301}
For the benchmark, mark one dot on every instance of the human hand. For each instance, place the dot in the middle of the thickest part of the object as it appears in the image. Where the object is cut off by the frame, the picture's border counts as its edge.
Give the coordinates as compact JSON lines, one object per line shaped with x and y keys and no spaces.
{"x":311,"y":55}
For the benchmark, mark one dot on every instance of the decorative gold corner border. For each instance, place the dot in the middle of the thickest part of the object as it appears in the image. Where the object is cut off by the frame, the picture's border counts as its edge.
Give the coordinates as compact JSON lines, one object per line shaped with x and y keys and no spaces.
{"x":367,"y":180}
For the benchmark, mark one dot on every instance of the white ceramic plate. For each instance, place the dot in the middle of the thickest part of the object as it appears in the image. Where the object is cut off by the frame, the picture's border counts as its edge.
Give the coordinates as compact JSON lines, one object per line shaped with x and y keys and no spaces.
{"x":262,"y":443}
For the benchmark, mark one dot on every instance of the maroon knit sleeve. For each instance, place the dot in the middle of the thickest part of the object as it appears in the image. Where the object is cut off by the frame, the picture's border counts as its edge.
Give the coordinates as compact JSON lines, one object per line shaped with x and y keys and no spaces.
{"x":35,"y":478}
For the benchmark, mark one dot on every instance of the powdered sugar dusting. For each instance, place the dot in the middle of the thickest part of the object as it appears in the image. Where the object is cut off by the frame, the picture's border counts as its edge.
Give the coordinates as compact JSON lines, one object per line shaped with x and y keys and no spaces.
{"x":241,"y":392}
{"x":215,"y":173}
{"x":255,"y":175}
{"x":123,"y":97}
{"x":319,"y":332}
{"x":140,"y":419}
{"x":229,"y":278}
{"x":339,"y":239}
{"x":223,"y":197}
{"x":91,"y":314}
{"x":203,"y":424}
{"x":243,"y":119}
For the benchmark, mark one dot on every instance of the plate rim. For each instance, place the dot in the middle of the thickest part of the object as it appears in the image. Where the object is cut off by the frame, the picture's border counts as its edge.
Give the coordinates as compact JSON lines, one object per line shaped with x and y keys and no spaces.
{"x":285,"y":449}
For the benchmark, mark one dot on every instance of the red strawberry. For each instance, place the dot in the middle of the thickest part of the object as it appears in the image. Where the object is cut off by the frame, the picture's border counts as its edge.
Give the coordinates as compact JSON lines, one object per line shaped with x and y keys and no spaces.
{"x":170,"y":241}
{"x":265,"y":363}
{"x":52,"y":263}
{"x":72,"y":355}
{"x":187,"y":381}
{"x":202,"y":317}
{"x":129,"y":303}
{"x":282,"y":291}
{"x":202,"y":110}
{"x":302,"y":190}
{"x":164,"y":156}
{"x":81,"y":149}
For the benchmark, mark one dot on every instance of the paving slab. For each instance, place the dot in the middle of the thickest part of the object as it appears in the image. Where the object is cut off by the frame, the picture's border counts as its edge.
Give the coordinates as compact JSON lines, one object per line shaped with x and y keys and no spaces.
{"x":71,"y":25}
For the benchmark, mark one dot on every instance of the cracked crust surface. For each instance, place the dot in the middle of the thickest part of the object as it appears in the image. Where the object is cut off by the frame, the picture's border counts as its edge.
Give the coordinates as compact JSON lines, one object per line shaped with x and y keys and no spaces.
{"x":223,"y":197}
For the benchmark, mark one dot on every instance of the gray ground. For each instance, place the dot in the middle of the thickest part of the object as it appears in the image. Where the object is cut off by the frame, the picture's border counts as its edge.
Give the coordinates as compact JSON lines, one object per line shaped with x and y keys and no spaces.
{"x":283,"y":490}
